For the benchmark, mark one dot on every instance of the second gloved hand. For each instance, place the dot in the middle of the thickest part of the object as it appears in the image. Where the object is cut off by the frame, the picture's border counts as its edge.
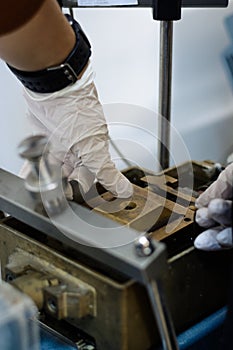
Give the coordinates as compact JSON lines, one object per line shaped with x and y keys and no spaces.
{"x":215,"y":214}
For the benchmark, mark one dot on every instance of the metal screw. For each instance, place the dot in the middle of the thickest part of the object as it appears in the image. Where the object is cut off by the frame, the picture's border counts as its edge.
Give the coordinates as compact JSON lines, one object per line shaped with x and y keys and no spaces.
{"x":9,"y":277}
{"x":52,"y":305}
{"x":144,"y":246}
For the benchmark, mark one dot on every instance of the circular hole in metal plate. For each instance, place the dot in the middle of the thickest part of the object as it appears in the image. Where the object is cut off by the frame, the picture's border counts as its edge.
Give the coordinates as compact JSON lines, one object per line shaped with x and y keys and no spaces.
{"x":130,"y":206}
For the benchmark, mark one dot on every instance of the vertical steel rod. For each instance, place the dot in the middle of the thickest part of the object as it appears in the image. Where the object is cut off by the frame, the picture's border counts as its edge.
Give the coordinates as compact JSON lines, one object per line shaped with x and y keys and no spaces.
{"x":165,"y":82}
{"x":162,"y":317}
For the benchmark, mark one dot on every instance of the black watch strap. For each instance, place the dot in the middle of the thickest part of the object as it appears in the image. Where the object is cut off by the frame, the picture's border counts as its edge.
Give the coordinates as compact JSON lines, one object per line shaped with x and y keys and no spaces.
{"x":56,"y":78}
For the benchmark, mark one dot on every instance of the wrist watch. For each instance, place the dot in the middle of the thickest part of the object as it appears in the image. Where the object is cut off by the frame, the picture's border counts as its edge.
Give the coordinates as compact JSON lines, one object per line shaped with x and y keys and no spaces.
{"x":56,"y":78}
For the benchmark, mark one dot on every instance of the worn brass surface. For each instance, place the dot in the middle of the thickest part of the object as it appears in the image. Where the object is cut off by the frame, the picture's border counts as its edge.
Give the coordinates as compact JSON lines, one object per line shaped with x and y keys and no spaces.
{"x":59,"y":293}
{"x":144,"y":210}
{"x":65,"y":301}
{"x":148,"y":211}
{"x":164,"y":205}
{"x":30,"y":282}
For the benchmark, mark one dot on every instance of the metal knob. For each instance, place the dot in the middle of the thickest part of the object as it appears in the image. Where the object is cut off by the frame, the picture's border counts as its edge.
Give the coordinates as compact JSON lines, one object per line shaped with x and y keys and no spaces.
{"x":33,"y":147}
{"x":44,"y":182}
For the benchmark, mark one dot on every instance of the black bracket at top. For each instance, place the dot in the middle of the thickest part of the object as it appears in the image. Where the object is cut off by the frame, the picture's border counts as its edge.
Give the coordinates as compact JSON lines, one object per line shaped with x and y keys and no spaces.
{"x":153,"y":3}
{"x":170,"y":10}
{"x":167,"y":10}
{"x":163,"y":10}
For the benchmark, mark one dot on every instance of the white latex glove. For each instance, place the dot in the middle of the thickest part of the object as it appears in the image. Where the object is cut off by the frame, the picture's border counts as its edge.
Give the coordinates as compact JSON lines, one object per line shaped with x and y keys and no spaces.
{"x":215,"y":213}
{"x":74,"y":122}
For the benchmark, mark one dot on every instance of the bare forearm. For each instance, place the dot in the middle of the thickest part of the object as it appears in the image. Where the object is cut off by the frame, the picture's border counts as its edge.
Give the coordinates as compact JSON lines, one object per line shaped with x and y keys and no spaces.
{"x":44,"y":41}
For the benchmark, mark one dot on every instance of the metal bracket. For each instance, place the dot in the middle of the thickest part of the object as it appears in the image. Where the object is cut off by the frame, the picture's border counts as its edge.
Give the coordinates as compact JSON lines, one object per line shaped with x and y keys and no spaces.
{"x":150,"y":3}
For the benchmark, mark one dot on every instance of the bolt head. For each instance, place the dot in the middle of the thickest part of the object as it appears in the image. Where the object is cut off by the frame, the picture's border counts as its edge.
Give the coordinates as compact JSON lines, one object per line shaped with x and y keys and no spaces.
{"x":144,"y":246}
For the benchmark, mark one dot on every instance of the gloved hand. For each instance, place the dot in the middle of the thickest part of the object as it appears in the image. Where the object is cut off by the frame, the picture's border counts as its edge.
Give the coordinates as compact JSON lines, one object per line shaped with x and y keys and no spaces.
{"x":215,"y":213}
{"x":74,"y":122}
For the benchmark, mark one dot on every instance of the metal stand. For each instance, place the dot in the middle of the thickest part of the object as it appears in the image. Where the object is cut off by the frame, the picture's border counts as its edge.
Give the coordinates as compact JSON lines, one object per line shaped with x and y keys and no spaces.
{"x":166,"y":12}
{"x":165,"y":85}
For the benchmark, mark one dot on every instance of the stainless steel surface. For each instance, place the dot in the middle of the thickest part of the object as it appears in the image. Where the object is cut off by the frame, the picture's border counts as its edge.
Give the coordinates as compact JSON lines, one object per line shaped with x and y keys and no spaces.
{"x":165,"y":83}
{"x":44,"y":181}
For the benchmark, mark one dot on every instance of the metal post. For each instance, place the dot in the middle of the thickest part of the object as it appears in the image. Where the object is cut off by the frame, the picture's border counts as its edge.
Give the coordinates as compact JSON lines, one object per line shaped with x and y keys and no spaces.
{"x":164,"y":323}
{"x":165,"y":83}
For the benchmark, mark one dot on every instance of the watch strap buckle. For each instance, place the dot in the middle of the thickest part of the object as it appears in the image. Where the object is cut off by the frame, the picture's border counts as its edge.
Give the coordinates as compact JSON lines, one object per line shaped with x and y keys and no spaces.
{"x":67,"y":70}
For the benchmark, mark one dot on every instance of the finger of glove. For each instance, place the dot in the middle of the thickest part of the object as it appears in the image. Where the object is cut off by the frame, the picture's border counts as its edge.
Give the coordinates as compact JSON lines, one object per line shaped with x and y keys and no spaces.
{"x":202,"y":218}
{"x":96,"y":157}
{"x":221,"y":188}
{"x":208,"y":241}
{"x":84,"y":177}
{"x":79,"y":174}
{"x":92,"y":147}
{"x":224,"y":238}
{"x":220,"y":211}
